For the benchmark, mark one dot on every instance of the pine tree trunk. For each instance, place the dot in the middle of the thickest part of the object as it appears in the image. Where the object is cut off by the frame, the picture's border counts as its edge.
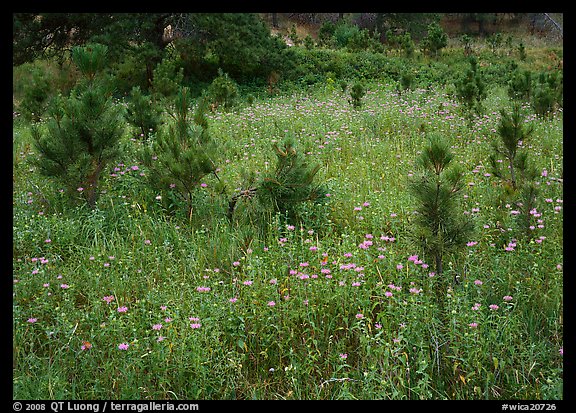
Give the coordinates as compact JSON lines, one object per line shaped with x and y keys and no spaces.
{"x":92,"y":181}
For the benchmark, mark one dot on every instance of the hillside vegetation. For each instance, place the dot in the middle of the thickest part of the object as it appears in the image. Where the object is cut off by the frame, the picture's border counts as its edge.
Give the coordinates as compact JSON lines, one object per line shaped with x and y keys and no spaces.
{"x":368,"y":219}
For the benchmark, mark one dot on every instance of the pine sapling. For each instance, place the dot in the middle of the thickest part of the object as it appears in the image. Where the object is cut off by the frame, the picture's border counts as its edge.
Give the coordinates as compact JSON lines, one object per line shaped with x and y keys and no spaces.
{"x":83,"y":133}
{"x":512,"y":131}
{"x":441,"y":226}
{"x":181,"y":155}
{"x":280,"y":192}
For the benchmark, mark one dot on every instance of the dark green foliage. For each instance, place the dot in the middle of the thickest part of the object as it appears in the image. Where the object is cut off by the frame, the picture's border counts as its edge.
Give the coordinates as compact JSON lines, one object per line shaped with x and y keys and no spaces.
{"x":471,"y":88}
{"x":47,"y":34}
{"x":467,"y":44}
{"x":521,"y":51}
{"x":326,"y":34}
{"x":282,"y":190}
{"x":308,"y":42}
{"x":181,"y":155}
{"x":223,"y":91}
{"x":520,"y":84}
{"x":293,"y":36}
{"x":512,"y":131}
{"x":168,"y":77}
{"x":357,"y":92}
{"x":406,"y":81}
{"x":364,"y":40}
{"x":407,"y":44}
{"x":519,"y":175}
{"x":401,"y":42}
{"x":435,"y":40}
{"x":548,"y":92}
{"x":238,"y":43}
{"x":494,"y":41}
{"x":414,"y":23}
{"x":84,"y":130}
{"x":143,"y":113}
{"x":90,"y":59}
{"x":36,"y":93}
{"x":291,"y":183}
{"x":343,"y":32}
{"x":130,"y":71}
{"x":440,"y":225}
{"x":81,"y":138}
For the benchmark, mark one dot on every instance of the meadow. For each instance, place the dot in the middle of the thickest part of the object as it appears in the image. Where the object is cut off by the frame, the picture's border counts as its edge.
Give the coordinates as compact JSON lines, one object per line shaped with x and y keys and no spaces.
{"x":125,"y":301}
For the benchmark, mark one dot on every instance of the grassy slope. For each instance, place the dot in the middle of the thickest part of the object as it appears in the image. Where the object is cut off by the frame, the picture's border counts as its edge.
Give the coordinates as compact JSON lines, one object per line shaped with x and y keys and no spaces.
{"x":295,"y":348}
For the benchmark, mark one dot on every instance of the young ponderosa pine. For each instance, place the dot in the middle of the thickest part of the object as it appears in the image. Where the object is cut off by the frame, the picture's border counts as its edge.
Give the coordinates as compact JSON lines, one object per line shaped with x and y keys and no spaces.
{"x":83,"y":131}
{"x":357,"y":92}
{"x":180,"y":156}
{"x":512,"y":132}
{"x":280,"y":191}
{"x":517,"y":173}
{"x":143,"y":113}
{"x":471,"y":88}
{"x":441,"y":225}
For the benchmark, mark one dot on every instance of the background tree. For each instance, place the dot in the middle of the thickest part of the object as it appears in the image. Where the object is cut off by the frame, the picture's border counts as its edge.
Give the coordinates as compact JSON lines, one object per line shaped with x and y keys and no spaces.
{"x":239,"y":43}
{"x":45,"y":35}
{"x":398,"y":23}
{"x":435,"y":40}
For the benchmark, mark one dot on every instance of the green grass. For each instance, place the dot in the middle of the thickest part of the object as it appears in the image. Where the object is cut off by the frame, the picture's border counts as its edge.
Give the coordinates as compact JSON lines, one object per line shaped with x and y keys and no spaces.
{"x":331,"y":322}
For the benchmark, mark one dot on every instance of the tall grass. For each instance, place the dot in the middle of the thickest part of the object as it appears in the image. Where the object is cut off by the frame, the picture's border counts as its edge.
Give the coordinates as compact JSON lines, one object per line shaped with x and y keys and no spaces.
{"x":128,"y":302}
